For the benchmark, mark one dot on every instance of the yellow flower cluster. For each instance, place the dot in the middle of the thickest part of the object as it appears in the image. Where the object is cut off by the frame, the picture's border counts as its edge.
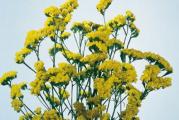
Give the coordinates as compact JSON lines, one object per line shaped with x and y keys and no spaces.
{"x":8,"y":77}
{"x":150,"y":72}
{"x":84,"y":27}
{"x":103,"y":5}
{"x":20,"y":55}
{"x":75,"y":57}
{"x":134,"y":102}
{"x":65,"y":35}
{"x":38,"y":84}
{"x":16,"y":90}
{"x":100,"y":40}
{"x":39,"y":66}
{"x":134,"y":30}
{"x":17,"y":105}
{"x":128,"y":73}
{"x":160,"y":61}
{"x":103,"y":87}
{"x":92,"y":59}
{"x":63,"y":10}
{"x":65,"y":72}
{"x":52,"y":11}
{"x":99,"y":80}
{"x":133,"y":54}
{"x":152,"y":80}
{"x":51,"y":115}
{"x":83,"y":114}
{"x":102,"y":34}
{"x":67,"y":68}
{"x":114,"y":43}
{"x":117,"y":22}
{"x":34,"y":37}
{"x":97,"y":46}
{"x":122,"y":71}
{"x":130,"y":16}
{"x":110,"y":65}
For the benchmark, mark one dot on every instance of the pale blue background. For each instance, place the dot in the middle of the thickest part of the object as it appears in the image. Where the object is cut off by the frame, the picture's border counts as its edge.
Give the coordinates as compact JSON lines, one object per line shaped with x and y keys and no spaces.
{"x":158,"y":21}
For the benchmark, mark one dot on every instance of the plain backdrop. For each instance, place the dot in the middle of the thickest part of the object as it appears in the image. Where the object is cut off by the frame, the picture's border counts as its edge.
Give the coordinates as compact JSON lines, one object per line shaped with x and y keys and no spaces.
{"x":157,"y":20}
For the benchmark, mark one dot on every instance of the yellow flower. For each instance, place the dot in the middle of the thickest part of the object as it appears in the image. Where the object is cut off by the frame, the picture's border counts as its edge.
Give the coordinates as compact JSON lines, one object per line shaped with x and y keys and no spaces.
{"x":51,"y":115}
{"x":130,"y":16}
{"x":150,"y":72}
{"x":16,"y":90}
{"x":67,"y":68}
{"x":67,"y":18}
{"x":134,"y":30}
{"x":63,"y":74}
{"x":94,"y":58}
{"x":8,"y":77}
{"x":103,"y":5}
{"x":36,"y":86}
{"x":16,"y":104}
{"x":103,"y":87}
{"x":134,"y":102}
{"x":133,"y":54}
{"x":39,"y":66}
{"x":65,"y":35}
{"x":32,"y":39}
{"x":20,"y":55}
{"x":152,"y":79}
{"x":128,"y":73}
{"x":160,"y":61}
{"x":114,"y":43}
{"x":102,"y":34}
{"x":110,"y":65}
{"x":52,"y":11}
{"x":117,"y":21}
{"x":84,"y":27}
{"x":72,"y":55}
{"x":159,"y":83}
{"x":97,"y":46}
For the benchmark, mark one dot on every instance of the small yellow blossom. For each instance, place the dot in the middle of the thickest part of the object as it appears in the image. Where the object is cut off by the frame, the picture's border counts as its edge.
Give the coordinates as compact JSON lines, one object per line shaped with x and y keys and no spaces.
{"x":133,"y":54}
{"x":16,"y":90}
{"x":97,"y":46}
{"x":94,"y":58}
{"x":20,"y":55}
{"x":8,"y":77}
{"x":64,"y":35}
{"x":130,"y":16}
{"x":39,"y":66}
{"x":16,"y":104}
{"x":51,"y":115}
{"x":103,"y":5}
{"x":52,"y":11}
{"x":110,"y":65}
{"x":117,"y":21}
{"x":163,"y":64}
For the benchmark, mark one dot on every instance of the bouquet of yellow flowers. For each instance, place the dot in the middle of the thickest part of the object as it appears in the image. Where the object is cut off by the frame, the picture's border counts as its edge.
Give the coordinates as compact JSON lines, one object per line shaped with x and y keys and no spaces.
{"x":97,"y":79}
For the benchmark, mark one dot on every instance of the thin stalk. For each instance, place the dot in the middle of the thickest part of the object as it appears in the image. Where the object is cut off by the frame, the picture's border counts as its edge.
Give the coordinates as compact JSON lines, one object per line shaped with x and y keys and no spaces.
{"x":29,"y":67}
